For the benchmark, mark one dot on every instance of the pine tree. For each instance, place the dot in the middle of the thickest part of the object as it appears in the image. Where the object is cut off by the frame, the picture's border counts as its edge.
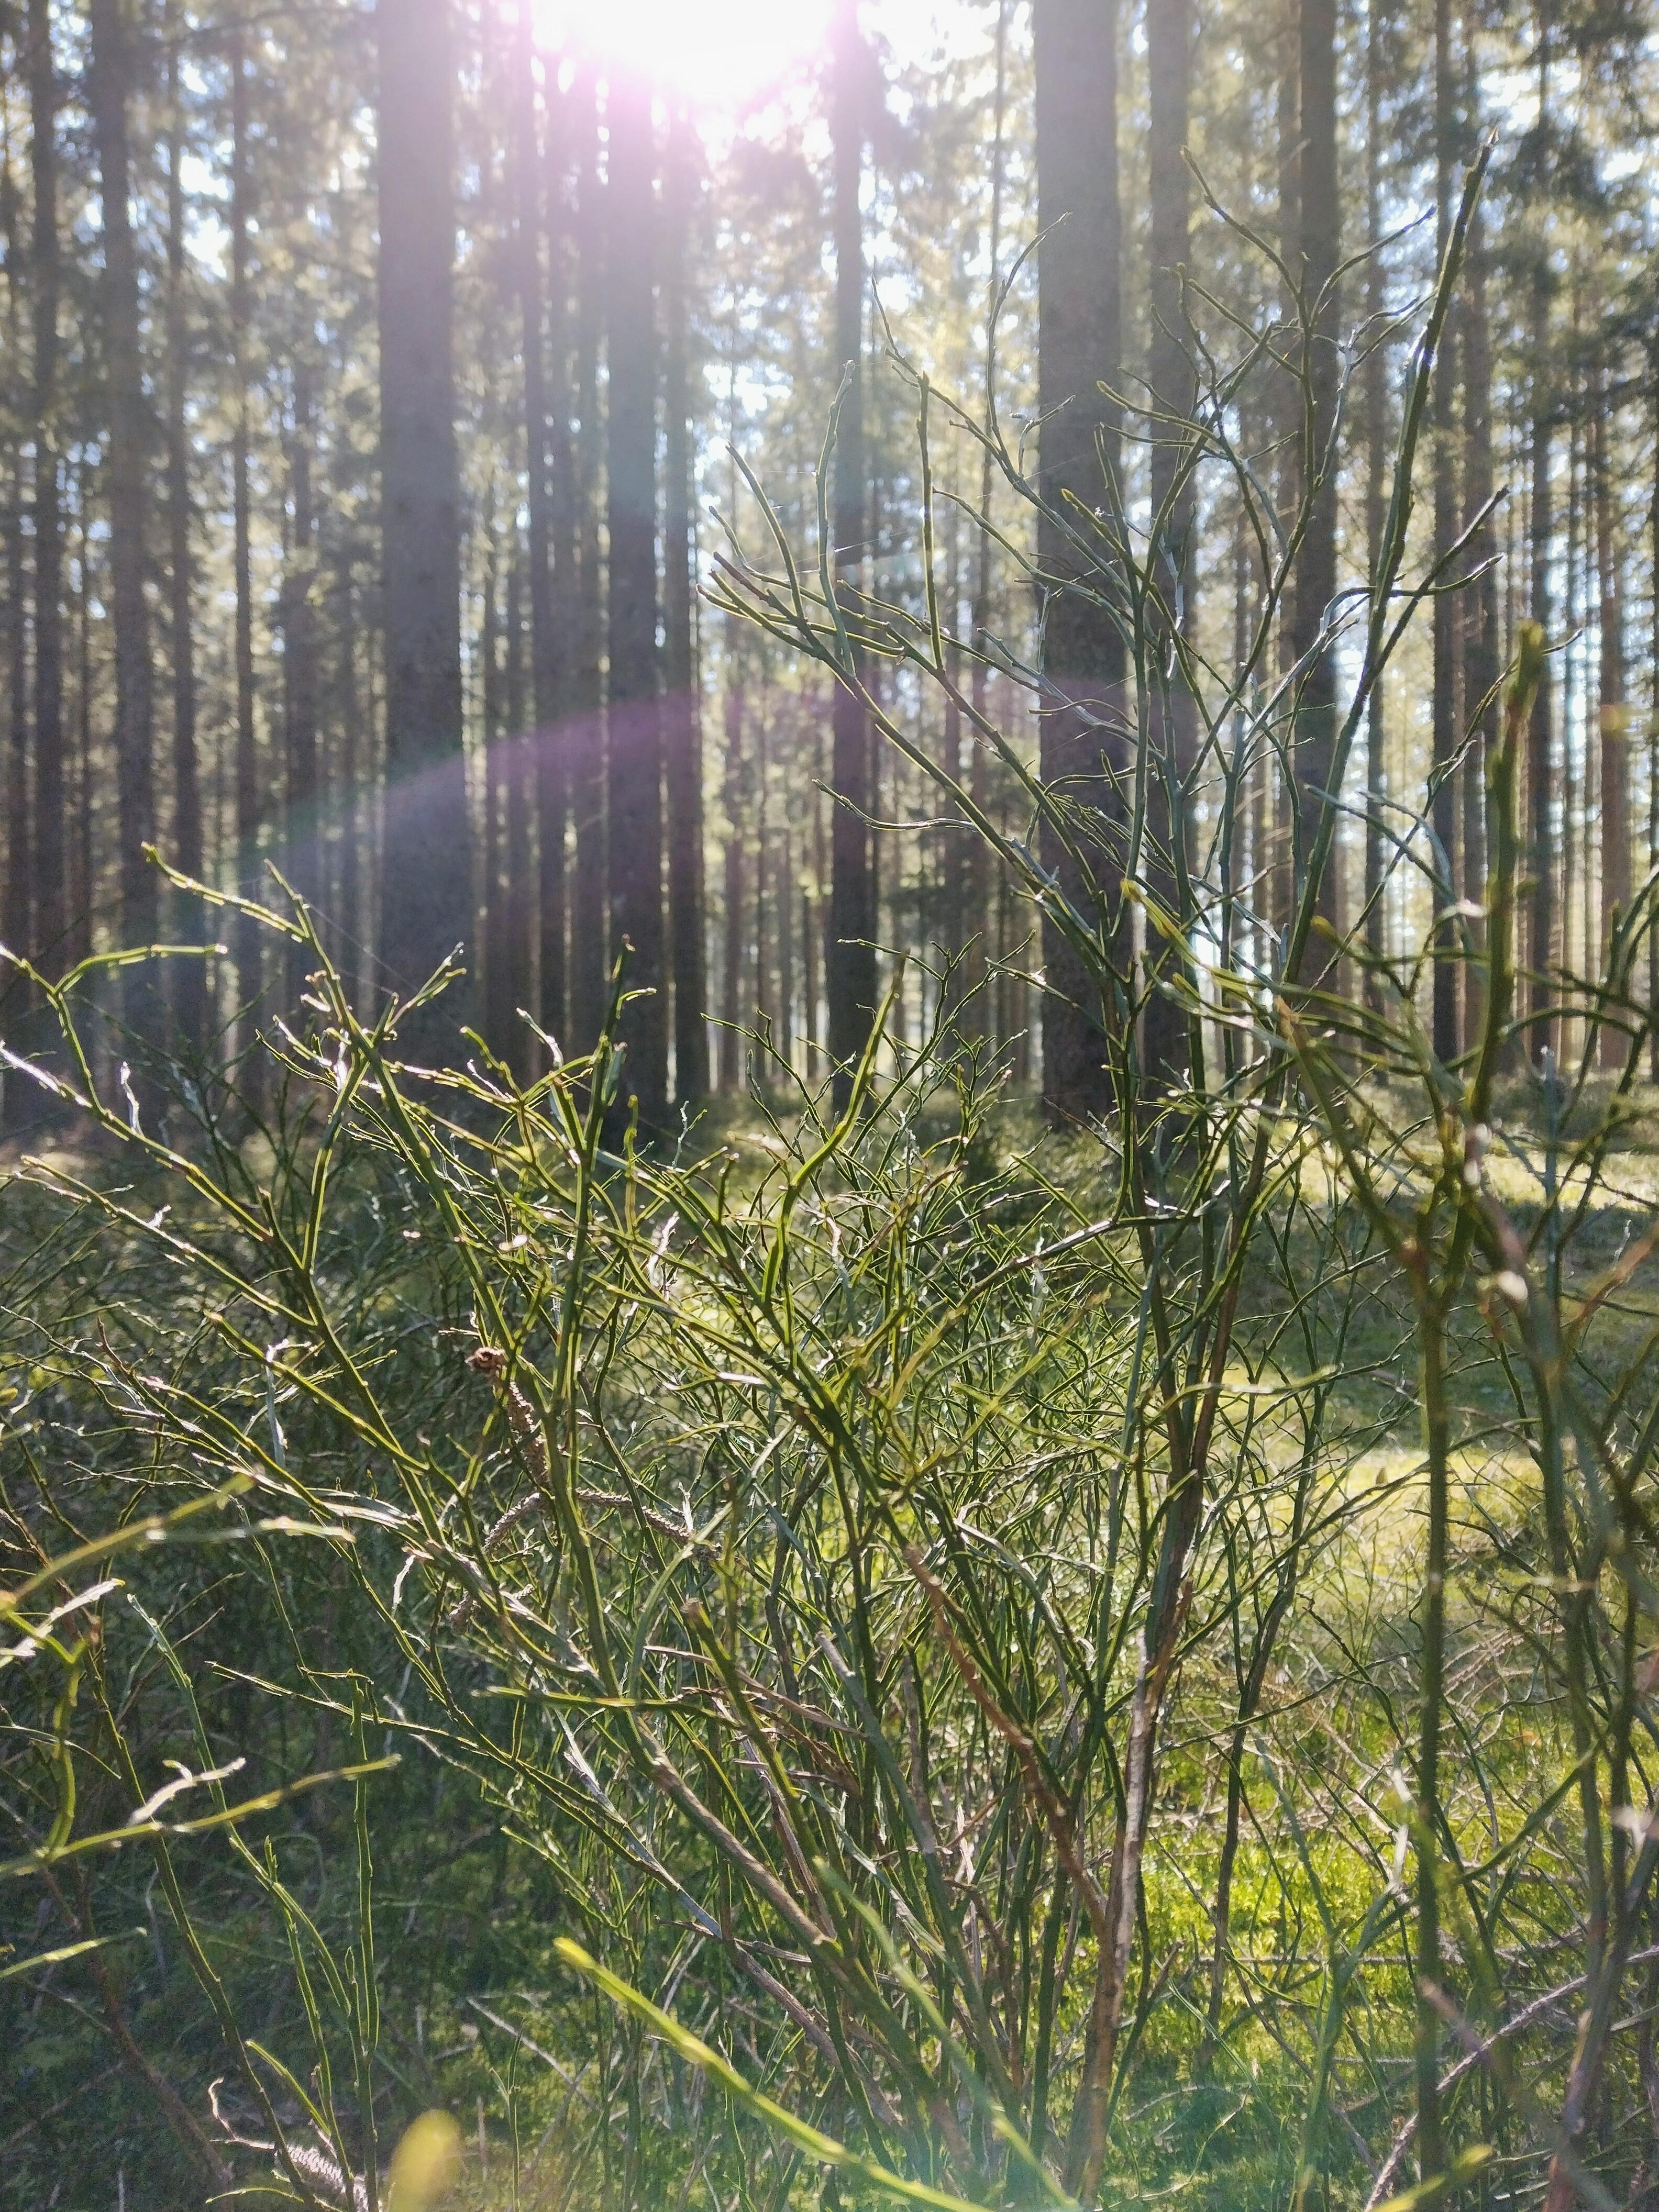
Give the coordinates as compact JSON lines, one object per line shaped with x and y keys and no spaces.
{"x":634,"y":714}
{"x":1080,"y":318}
{"x":1171,"y":377}
{"x":850,"y":953}
{"x":1319,"y":234}
{"x":425,"y":877}
{"x":47,"y":828}
{"x":682,"y":703}
{"x":111,"y":85}
{"x":189,"y":850}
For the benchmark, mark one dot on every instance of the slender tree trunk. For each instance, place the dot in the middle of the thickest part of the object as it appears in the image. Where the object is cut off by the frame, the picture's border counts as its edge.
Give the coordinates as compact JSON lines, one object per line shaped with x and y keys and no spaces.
{"x":531,"y":179}
{"x":1613,"y":716}
{"x":426,"y":896}
{"x":1539,"y":779}
{"x":351,"y":773}
{"x":589,"y":960}
{"x":634,"y":708}
{"x":977,"y":1015}
{"x":1379,"y":472}
{"x":1169,"y":63}
{"x":1653,"y":738}
{"x":1080,"y":321}
{"x":83,"y":871}
{"x":1483,"y":645}
{"x":849,"y":954}
{"x":304,"y":852}
{"x":51,"y":919}
{"x":111,"y":81}
{"x":731,"y":1054}
{"x":191,"y":977}
{"x":1574,"y":760}
{"x":1442,"y":778}
{"x":248,"y":946}
{"x":955,"y":841}
{"x":521,"y":762}
{"x":17,"y":917}
{"x":683,"y":702}
{"x":555,"y":734}
{"x":1286,"y":417}
{"x":1319,"y":211}
{"x":497,"y":720}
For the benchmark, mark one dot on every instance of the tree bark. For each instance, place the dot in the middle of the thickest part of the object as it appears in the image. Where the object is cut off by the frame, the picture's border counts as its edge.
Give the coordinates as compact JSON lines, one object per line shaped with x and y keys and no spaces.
{"x":426,"y":881}
{"x":190,"y":978}
{"x":1082,"y":753}
{"x":248,"y":948}
{"x":1613,"y":715}
{"x":589,"y":960}
{"x":682,"y":702}
{"x":1442,"y":774}
{"x":1379,"y":472}
{"x":304,"y":852}
{"x":1539,"y":778}
{"x":17,"y":915}
{"x":1482,"y":640}
{"x":110,"y":81}
{"x":1318,"y":222}
{"x":50,"y":916}
{"x":530,"y":180}
{"x":732,"y":1011}
{"x":1653,"y":738}
{"x":634,"y":708}
{"x":975,"y":1019}
{"x":555,"y":735}
{"x":849,"y":954}
{"x":350,"y":771}
{"x":1169,"y":61}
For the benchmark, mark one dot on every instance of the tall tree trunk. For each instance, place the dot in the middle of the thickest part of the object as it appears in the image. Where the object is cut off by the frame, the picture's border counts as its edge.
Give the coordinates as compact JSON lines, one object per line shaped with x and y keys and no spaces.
{"x":588,"y":952}
{"x":849,"y":954}
{"x":248,"y":947}
{"x":112,"y":79}
{"x":1539,"y":778}
{"x":1613,"y":717}
{"x":496,"y":716}
{"x":731,"y":1051}
{"x":1574,"y":760}
{"x":683,"y":702}
{"x":50,"y":917}
{"x":426,"y":895}
{"x":1482,"y":642}
{"x":190,"y":979}
{"x":83,"y":871}
{"x":1379,"y":472}
{"x":634,"y":712}
{"x":17,"y":915}
{"x":976,"y":1016}
{"x":1442,"y":775}
{"x":531,"y":180}
{"x":304,"y":845}
{"x":1079,"y":329}
{"x":1319,"y":219}
{"x":519,"y":798}
{"x":1278,"y":795}
{"x":555,"y":735}
{"x":1172,"y":724}
{"x":1653,"y":737}
{"x":351,"y":771}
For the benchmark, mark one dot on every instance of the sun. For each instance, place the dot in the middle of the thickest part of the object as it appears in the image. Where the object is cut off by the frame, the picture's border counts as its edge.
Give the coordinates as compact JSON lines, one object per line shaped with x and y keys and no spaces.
{"x":717,"y":53}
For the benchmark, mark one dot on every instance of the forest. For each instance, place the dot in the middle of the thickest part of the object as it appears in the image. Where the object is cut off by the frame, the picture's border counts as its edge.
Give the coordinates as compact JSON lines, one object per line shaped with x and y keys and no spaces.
{"x":830,"y":1105}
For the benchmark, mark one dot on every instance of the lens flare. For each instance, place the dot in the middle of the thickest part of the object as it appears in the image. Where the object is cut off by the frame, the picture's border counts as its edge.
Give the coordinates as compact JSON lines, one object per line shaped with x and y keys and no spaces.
{"x":719,"y":54}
